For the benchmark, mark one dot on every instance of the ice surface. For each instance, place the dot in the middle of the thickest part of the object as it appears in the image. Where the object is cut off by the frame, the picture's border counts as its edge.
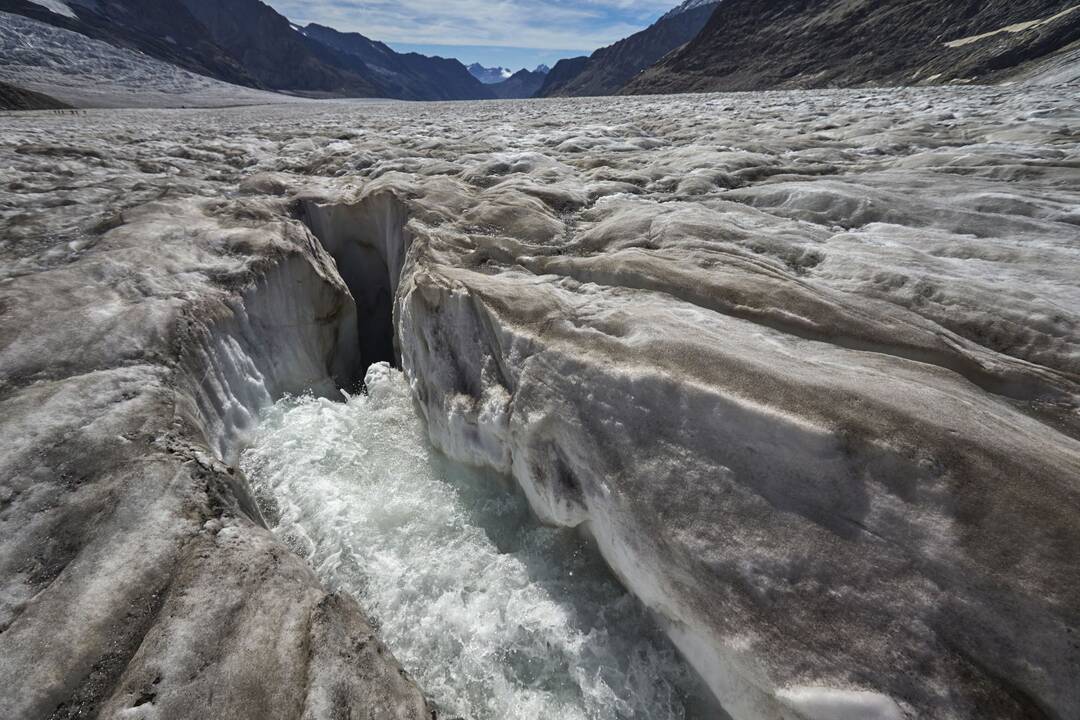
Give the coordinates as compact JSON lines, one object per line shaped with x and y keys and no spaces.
{"x":803,"y":365}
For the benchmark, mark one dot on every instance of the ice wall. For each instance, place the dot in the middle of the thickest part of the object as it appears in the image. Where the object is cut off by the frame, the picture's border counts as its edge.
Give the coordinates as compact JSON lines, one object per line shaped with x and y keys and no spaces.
{"x":369,"y":241}
{"x":293,"y":331}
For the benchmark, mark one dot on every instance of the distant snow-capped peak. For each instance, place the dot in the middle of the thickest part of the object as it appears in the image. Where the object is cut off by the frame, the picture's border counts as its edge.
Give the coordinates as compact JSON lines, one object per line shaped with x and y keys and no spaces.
{"x":489,"y":75}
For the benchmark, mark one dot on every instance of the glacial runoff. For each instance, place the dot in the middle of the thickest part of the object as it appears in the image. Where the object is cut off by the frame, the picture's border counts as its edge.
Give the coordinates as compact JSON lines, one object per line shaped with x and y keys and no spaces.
{"x":801,"y":370}
{"x":496,"y":615}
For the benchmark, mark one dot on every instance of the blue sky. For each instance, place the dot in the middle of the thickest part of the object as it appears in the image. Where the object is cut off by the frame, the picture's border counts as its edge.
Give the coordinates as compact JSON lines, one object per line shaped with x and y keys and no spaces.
{"x":512,"y":33}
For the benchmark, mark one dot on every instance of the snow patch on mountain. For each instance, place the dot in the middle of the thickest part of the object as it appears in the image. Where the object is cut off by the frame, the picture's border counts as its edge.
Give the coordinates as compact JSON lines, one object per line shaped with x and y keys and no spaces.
{"x":1011,"y":29}
{"x":56,"y":6}
{"x":90,"y":73}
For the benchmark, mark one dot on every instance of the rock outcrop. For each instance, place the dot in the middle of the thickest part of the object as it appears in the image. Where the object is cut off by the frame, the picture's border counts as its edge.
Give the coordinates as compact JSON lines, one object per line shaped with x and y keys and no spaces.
{"x":564,"y":72}
{"x":277,"y":55}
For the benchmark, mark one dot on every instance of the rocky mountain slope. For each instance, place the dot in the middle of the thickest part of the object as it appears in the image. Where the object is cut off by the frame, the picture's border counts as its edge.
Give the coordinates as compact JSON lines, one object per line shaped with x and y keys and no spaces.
{"x":561,"y":74}
{"x":16,"y":98}
{"x":408,"y":76}
{"x":277,"y":55}
{"x":759,"y":44}
{"x":83,"y":72}
{"x":246,"y":42}
{"x":610,"y":68}
{"x":522,"y":84}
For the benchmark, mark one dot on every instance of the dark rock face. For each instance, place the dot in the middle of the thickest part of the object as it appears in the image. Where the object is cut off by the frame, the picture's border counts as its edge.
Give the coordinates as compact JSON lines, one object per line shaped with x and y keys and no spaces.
{"x":609,"y":69}
{"x":276,"y":54}
{"x":408,"y":76}
{"x":749,"y":45}
{"x":563,"y":72}
{"x":522,"y":84}
{"x":16,"y":98}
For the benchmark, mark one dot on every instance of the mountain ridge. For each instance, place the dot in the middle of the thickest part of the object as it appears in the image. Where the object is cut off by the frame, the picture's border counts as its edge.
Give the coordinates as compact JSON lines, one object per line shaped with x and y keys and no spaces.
{"x":522,"y":84}
{"x":249,"y":43}
{"x":409,"y":76}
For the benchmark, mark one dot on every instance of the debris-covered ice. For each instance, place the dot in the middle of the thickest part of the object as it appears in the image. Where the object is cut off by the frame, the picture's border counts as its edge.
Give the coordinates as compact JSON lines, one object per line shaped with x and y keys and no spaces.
{"x":804,"y":366}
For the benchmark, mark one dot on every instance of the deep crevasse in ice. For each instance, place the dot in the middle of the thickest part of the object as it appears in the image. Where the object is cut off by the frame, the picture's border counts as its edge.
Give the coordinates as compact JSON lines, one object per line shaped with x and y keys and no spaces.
{"x":496,"y":615}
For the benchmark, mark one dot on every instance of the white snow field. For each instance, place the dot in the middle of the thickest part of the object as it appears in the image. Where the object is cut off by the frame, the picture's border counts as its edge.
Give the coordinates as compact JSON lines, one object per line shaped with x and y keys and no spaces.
{"x":802,"y":368}
{"x":84,"y":72}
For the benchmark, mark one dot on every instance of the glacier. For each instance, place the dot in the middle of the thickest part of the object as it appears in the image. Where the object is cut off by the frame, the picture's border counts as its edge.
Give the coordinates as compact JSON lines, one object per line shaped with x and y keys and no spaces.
{"x":802,"y":367}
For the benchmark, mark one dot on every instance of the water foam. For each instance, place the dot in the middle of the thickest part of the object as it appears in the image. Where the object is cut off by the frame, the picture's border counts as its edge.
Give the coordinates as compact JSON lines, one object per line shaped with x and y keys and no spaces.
{"x":495,"y":615}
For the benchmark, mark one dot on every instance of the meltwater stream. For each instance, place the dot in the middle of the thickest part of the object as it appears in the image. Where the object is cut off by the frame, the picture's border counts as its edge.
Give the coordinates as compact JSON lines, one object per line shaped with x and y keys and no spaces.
{"x":495,"y":615}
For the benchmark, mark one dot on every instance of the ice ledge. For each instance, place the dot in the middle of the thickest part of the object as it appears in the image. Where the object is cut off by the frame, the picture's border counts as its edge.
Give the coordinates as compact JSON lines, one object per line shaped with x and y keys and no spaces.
{"x":811,"y":703}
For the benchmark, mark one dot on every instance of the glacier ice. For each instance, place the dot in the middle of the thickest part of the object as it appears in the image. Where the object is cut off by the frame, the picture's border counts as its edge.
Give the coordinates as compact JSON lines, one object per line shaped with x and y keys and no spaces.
{"x":804,"y":366}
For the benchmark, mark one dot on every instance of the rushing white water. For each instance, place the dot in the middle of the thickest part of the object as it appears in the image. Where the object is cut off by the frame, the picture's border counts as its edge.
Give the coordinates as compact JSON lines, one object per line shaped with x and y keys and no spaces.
{"x":495,"y":615}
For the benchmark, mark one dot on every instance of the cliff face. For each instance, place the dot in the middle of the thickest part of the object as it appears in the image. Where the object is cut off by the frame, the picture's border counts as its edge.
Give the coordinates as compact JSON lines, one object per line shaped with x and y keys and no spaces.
{"x":749,"y":44}
{"x":608,"y":69}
